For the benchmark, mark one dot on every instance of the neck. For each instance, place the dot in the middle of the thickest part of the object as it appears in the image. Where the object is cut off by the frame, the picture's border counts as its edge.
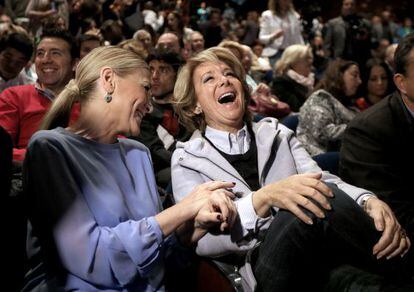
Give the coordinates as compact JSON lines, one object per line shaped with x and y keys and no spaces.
{"x":233,"y":129}
{"x":163,"y":99}
{"x":55,"y":89}
{"x":93,"y":124}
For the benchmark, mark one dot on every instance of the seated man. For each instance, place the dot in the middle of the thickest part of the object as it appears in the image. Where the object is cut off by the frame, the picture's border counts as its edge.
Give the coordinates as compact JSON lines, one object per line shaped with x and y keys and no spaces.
{"x":22,"y":107}
{"x":16,"y":50}
{"x":377,"y":145}
{"x":160,"y":130}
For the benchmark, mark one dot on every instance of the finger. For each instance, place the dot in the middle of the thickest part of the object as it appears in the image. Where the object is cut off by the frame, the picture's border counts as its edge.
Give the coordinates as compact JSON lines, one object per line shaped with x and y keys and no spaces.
{"x":229,"y":193}
{"x":218,"y":200}
{"x":309,"y":205}
{"x":316,"y":196}
{"x":408,"y":246}
{"x":207,"y":219}
{"x":388,"y":249}
{"x":400,"y":249}
{"x":387,"y":235}
{"x":214,"y":185}
{"x":292,"y":207}
{"x":319,"y":186}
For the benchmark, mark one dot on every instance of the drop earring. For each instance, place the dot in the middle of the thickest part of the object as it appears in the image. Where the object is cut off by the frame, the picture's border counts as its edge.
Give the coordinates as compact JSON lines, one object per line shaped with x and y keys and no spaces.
{"x":198,"y":110}
{"x":108,"y":97}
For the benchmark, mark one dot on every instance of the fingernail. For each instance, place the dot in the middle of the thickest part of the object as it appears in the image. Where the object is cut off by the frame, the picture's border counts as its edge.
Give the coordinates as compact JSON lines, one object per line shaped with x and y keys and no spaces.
{"x":219,"y":217}
{"x":328,"y":206}
{"x":310,"y":222}
{"x":233,"y":183}
{"x":321,"y":215}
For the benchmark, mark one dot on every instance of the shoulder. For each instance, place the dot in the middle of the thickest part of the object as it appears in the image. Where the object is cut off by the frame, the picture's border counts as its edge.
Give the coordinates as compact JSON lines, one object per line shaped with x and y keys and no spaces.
{"x":375,"y":117}
{"x":131,"y":144}
{"x":18,"y":91}
{"x":269,"y":126}
{"x":45,"y":139}
{"x":267,"y":14}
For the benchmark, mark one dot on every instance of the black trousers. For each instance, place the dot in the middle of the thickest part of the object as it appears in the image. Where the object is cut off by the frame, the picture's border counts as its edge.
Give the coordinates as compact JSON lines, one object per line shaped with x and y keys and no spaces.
{"x":295,"y":256}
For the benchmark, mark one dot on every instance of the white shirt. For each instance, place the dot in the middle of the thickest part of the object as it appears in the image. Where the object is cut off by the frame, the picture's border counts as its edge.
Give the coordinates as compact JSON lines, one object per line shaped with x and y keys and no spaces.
{"x":229,"y":143}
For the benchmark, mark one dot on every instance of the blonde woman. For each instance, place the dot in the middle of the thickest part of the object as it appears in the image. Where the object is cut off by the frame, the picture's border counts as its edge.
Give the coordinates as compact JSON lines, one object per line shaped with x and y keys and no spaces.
{"x":306,"y":219}
{"x":94,"y":206}
{"x":293,"y":78}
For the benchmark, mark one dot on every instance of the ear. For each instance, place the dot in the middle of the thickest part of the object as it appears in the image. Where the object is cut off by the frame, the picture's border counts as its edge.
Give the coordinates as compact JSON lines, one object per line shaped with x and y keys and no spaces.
{"x":400,"y":82}
{"x":107,"y":79}
{"x":75,"y":63}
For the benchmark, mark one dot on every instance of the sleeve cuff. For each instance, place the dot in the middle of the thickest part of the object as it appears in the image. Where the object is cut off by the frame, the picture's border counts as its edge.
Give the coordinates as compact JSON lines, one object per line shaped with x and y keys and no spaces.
{"x":248,"y":217}
{"x":363,"y":197}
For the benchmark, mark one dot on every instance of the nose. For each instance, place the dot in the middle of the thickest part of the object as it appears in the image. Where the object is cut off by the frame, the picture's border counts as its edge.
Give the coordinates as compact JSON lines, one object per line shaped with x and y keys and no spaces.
{"x":155,"y":74}
{"x":224,"y":81}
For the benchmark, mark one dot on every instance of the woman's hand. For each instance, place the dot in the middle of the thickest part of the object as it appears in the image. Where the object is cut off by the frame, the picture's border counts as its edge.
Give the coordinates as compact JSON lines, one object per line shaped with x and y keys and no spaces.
{"x":219,"y":211}
{"x":292,"y":193}
{"x":200,"y":195}
{"x":394,"y":240}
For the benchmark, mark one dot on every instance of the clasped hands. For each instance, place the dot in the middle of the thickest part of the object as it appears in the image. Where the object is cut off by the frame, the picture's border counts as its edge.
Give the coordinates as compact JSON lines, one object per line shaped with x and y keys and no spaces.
{"x":216,"y":211}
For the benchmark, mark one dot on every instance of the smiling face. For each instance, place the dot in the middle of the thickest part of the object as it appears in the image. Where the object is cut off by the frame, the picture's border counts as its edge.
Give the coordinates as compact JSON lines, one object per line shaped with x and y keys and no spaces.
{"x":11,"y":63}
{"x":220,"y":96}
{"x":378,"y":81}
{"x":130,"y":101}
{"x":54,"y":64}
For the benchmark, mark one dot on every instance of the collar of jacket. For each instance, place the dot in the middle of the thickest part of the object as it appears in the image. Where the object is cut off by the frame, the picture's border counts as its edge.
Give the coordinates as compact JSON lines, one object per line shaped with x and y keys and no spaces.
{"x":266,"y":135}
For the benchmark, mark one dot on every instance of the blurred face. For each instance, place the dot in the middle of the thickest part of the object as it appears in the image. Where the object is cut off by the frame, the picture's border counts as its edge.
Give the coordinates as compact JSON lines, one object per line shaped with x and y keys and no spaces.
{"x":87,"y":46}
{"x":53,"y":63}
{"x":348,"y":7}
{"x":285,"y":4}
{"x":61,"y":24}
{"x":352,"y":80}
{"x":162,"y":79}
{"x":303,"y":66}
{"x":247,"y":60}
{"x":377,"y":82}
{"x":405,"y":83}
{"x":145,"y":38}
{"x":130,"y":101}
{"x":11,"y":63}
{"x":197,"y":42}
{"x":258,"y":50}
{"x":220,"y":95}
{"x":172,"y":21}
{"x":170,"y":42}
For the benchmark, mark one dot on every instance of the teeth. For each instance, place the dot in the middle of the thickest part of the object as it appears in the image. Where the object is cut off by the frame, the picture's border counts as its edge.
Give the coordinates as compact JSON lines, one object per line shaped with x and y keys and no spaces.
{"x":227,"y":97}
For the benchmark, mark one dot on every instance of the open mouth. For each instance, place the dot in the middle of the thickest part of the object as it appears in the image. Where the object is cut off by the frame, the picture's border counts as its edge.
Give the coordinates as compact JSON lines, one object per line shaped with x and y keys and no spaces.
{"x":228,"y":97}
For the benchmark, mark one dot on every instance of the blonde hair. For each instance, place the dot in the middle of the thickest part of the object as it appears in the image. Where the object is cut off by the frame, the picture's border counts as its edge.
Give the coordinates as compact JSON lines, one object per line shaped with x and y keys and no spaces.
{"x":291,"y":55}
{"x":185,"y":98}
{"x":135,"y":46}
{"x":122,"y":62}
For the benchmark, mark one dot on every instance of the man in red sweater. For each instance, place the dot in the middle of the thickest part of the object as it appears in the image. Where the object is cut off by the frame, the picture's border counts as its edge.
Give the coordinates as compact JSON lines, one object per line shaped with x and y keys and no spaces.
{"x":22,"y":108}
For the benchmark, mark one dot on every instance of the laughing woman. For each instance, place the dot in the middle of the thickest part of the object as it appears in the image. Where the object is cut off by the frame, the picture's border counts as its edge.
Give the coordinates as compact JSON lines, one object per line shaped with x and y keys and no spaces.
{"x":96,"y":218}
{"x":308,"y":220}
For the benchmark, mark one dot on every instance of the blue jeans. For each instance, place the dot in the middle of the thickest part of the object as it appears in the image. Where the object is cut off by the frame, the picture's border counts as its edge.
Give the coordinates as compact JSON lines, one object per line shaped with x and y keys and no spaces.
{"x":295,"y":256}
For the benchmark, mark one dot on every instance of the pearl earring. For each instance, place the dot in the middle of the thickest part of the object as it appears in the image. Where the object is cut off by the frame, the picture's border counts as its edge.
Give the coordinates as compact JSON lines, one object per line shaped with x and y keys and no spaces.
{"x":198,"y":110}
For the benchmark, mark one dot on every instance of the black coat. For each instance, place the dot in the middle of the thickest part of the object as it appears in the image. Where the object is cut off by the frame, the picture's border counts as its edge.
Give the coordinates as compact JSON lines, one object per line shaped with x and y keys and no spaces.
{"x":377,"y":154}
{"x":289,"y":91}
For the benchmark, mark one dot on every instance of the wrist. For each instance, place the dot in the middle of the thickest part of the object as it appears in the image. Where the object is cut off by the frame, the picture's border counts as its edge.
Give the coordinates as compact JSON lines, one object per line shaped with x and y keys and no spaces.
{"x":261,"y":203}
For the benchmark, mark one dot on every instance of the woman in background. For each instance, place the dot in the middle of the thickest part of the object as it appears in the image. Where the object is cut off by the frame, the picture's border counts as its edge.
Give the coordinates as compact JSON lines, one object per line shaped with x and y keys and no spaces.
{"x":327,"y":111}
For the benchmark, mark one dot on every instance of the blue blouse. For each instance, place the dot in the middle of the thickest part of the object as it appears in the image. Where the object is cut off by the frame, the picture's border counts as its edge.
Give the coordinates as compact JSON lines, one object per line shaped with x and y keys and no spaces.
{"x":92,"y":207}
